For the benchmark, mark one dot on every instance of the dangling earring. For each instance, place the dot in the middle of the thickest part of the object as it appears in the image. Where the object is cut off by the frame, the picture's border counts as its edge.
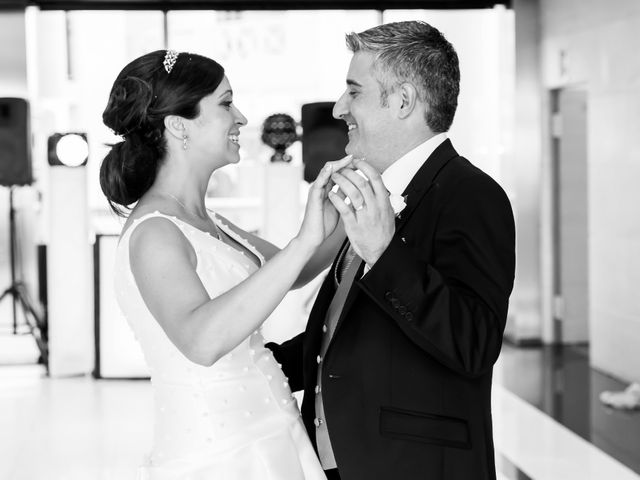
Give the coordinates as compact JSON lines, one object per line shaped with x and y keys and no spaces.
{"x":184,"y":141}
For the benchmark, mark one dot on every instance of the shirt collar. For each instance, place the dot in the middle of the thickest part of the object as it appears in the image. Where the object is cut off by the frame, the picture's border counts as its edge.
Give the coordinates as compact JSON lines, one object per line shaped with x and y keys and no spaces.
{"x":398,"y":175}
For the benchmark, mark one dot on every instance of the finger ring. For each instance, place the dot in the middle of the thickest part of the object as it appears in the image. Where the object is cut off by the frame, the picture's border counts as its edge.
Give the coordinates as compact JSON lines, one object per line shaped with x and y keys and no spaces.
{"x":360,"y":207}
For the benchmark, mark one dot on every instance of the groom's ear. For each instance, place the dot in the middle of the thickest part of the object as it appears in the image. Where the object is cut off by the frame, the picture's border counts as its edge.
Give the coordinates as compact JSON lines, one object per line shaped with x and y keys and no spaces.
{"x":408,"y":99}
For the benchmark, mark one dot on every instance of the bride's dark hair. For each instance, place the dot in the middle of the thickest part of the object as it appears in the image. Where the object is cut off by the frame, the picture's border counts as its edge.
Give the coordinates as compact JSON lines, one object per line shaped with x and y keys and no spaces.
{"x":142,"y":95}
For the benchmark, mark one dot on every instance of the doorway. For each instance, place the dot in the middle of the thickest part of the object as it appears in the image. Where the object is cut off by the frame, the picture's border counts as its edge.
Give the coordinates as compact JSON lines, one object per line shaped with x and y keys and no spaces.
{"x":570,"y":206}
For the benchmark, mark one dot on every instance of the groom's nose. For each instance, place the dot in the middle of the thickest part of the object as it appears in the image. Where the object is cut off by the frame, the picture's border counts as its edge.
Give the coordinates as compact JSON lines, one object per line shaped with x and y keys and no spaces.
{"x":340,"y":108}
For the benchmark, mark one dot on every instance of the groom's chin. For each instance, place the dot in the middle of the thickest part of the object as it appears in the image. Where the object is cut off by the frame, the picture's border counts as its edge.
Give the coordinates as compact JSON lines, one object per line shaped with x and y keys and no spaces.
{"x":352,"y":150}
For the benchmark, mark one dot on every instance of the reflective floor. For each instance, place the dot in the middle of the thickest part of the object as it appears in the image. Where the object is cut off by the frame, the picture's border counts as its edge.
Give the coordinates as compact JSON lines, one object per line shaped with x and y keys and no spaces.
{"x":560,"y":383}
{"x":548,"y":423}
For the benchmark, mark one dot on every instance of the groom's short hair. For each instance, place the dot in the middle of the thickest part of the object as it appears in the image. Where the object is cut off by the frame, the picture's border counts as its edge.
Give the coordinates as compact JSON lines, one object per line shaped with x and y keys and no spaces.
{"x":416,"y":52}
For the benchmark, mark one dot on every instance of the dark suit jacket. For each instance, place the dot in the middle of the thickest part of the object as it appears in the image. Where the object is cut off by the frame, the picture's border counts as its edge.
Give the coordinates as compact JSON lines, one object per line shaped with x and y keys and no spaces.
{"x":407,"y":376}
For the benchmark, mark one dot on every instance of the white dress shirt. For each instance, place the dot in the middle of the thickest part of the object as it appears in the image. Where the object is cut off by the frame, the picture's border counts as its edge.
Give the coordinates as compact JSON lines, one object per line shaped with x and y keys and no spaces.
{"x":398,"y":175}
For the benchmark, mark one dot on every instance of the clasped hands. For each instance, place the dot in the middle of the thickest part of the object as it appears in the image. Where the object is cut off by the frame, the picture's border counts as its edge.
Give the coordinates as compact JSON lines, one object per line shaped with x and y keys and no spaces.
{"x":357,"y":194}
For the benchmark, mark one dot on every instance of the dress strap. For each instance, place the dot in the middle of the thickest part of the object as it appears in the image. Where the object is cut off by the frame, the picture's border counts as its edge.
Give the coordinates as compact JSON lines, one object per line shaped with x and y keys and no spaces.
{"x":155,"y":214}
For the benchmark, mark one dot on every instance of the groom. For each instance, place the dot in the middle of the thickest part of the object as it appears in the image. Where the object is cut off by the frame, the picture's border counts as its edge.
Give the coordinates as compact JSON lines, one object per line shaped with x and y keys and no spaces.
{"x":396,"y":361}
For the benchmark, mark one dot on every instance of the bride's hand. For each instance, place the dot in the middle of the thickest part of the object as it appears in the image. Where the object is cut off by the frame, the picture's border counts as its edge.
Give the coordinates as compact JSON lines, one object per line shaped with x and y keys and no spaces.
{"x":321,"y":217}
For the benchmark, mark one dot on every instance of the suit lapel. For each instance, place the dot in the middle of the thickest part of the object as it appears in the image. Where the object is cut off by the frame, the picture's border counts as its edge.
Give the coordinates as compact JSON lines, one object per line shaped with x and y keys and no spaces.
{"x":420,"y":184}
{"x":424,"y":180}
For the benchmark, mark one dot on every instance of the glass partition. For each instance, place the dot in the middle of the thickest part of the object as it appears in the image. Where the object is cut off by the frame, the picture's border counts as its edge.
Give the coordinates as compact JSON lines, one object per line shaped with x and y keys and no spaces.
{"x":276,"y":62}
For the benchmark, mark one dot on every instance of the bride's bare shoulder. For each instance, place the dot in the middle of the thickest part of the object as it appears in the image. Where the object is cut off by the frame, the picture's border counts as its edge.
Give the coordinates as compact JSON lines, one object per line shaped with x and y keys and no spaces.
{"x":158,"y":239}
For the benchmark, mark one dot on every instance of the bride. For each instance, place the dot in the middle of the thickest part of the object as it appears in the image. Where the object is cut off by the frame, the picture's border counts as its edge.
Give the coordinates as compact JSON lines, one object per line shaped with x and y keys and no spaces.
{"x":194,"y":287}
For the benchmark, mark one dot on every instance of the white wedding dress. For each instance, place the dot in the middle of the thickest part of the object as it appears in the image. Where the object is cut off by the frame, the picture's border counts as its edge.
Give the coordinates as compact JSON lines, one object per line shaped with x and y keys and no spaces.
{"x":235,"y":420}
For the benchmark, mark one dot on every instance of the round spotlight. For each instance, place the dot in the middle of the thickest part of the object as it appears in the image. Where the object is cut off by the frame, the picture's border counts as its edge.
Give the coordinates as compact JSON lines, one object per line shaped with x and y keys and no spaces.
{"x":68,"y":149}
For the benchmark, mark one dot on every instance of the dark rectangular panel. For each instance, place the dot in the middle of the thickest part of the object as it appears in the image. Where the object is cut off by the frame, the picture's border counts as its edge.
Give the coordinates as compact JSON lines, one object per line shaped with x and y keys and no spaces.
{"x":13,"y":4}
{"x":15,"y":142}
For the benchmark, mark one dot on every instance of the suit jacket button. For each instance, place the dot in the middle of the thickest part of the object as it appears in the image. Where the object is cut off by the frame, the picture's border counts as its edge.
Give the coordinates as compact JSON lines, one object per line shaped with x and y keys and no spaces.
{"x":388,"y":296}
{"x":394,"y":302}
{"x":402,"y":309}
{"x":409,"y":316}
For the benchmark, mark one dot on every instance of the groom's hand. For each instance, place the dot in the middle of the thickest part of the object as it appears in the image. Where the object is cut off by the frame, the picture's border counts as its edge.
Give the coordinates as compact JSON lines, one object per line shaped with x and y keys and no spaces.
{"x":368,"y":220}
{"x":331,"y":216}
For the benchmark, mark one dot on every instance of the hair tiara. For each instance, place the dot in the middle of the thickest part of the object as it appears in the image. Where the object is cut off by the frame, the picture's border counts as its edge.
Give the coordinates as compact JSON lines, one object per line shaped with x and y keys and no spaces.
{"x":170,"y":59}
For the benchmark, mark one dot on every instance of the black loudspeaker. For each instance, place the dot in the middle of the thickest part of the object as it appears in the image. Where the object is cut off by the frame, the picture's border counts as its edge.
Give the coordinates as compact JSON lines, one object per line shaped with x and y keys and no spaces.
{"x":323,"y":137}
{"x":15,"y":142}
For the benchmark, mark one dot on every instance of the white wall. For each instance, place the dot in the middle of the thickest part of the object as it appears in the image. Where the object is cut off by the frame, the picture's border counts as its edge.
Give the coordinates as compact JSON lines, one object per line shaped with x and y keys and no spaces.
{"x":14,"y":83}
{"x":13,"y":56}
{"x":595,"y":43}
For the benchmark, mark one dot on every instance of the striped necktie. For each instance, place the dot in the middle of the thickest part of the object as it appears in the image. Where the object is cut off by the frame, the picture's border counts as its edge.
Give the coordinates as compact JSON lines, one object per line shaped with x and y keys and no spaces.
{"x":347,"y":258}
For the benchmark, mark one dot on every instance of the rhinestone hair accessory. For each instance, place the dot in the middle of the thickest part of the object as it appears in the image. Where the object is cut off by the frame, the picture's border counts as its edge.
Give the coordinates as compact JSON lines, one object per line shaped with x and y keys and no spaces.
{"x":170,"y":59}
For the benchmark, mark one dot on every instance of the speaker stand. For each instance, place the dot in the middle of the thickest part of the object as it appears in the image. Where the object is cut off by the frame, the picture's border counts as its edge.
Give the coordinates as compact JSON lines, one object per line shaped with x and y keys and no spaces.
{"x":20,"y":296}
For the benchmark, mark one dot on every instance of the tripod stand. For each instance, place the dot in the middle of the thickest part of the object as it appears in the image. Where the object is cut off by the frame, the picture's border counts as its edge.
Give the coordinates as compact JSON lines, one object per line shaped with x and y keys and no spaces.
{"x":19,"y":294}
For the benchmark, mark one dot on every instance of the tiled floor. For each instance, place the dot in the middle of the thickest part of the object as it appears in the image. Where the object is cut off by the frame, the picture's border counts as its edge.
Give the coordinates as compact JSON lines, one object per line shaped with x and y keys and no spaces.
{"x":79,"y":428}
{"x":73,"y":428}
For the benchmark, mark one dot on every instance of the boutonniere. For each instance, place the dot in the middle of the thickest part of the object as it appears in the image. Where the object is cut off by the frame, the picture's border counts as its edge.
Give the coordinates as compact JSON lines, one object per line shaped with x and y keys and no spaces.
{"x":398,"y":202}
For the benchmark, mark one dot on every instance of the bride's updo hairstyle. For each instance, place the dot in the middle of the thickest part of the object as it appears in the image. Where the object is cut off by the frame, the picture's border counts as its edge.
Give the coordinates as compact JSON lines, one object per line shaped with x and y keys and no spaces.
{"x":144,"y":93}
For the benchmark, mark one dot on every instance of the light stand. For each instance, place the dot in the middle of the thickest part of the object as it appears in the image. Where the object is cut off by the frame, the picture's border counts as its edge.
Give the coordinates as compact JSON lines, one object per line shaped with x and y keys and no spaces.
{"x":19,"y":294}
{"x":69,"y":261}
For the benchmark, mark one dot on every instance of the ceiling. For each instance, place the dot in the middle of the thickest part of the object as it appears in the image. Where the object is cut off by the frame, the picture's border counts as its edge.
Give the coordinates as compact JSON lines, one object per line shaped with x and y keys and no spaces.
{"x":249,"y":4}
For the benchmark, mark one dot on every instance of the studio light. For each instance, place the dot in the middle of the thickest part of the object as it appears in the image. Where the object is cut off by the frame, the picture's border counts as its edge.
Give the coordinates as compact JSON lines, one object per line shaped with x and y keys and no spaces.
{"x":68,"y":149}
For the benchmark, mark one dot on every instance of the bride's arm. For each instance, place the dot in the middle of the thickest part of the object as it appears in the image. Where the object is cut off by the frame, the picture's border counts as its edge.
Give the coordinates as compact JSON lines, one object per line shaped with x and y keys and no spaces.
{"x":164,"y":263}
{"x":322,"y":258}
{"x":204,"y":329}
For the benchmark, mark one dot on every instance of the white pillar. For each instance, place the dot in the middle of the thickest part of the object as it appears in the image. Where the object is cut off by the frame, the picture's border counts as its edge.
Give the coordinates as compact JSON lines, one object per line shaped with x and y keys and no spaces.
{"x":69,"y":279}
{"x":282,"y":202}
{"x":527,"y":309}
{"x":283,"y":214}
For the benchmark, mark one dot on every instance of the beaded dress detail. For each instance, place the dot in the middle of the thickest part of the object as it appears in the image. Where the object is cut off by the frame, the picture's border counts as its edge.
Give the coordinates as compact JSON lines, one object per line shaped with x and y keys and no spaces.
{"x":235,"y":420}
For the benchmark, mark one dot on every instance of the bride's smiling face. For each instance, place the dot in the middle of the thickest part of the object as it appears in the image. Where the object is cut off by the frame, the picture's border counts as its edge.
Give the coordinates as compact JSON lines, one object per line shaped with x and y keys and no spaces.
{"x":214,"y":133}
